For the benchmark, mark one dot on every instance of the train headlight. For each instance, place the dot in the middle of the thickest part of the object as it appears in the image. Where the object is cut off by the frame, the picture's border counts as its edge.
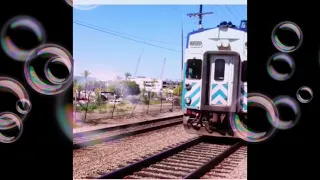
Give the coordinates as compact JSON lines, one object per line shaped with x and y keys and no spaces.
{"x":225,"y":43}
{"x":219,"y":43}
{"x":188,"y":100}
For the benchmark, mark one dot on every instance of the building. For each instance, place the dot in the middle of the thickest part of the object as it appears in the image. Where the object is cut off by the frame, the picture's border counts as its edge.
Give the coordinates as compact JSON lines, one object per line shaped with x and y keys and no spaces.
{"x":150,"y":84}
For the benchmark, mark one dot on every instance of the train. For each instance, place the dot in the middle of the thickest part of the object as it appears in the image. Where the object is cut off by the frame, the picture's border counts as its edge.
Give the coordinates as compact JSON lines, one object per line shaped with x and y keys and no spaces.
{"x":214,"y":87}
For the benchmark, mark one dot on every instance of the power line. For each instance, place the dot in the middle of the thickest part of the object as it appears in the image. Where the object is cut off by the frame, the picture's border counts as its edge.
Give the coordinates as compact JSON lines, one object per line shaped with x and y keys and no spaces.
{"x":163,"y":42}
{"x":126,"y":37}
{"x":230,"y":11}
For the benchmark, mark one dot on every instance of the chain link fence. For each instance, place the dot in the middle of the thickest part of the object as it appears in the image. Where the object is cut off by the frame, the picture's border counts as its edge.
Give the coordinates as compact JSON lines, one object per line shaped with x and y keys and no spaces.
{"x":97,"y":107}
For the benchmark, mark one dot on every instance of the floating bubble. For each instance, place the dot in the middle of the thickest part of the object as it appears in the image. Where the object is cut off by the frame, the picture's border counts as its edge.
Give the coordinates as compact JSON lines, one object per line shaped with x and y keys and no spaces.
{"x":14,"y":92}
{"x":290,"y":34}
{"x":65,"y":119}
{"x":66,"y":115}
{"x":51,"y":62}
{"x":81,"y":4}
{"x":281,"y":66}
{"x":304,"y":94}
{"x":5,"y":119}
{"x":293,"y":105}
{"x":247,"y":134}
{"x":19,"y":28}
{"x":23,"y":106}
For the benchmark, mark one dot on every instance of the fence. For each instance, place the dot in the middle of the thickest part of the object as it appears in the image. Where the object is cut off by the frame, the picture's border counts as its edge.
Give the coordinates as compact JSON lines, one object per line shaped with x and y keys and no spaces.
{"x":131,"y":106}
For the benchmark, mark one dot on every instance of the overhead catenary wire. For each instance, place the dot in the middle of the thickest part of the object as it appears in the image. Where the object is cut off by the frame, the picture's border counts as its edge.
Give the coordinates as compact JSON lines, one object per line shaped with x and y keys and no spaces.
{"x":142,"y":42}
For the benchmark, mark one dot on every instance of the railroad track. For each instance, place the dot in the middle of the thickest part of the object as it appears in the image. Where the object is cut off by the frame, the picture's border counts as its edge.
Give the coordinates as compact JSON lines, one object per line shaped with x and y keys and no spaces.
{"x":89,"y":138}
{"x":227,"y":166}
{"x":191,"y":160}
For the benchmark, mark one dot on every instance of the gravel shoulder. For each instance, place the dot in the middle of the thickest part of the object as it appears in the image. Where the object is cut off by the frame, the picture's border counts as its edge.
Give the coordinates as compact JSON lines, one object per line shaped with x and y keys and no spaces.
{"x":90,"y":161}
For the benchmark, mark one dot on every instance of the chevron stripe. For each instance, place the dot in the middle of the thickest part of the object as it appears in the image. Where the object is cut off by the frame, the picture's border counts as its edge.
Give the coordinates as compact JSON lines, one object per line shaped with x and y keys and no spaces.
{"x":225,"y":86}
{"x":219,"y":94}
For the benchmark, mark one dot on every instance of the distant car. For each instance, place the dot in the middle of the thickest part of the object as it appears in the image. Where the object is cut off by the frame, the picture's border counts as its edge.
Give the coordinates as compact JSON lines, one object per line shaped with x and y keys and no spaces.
{"x":170,"y":98}
{"x":117,"y":101}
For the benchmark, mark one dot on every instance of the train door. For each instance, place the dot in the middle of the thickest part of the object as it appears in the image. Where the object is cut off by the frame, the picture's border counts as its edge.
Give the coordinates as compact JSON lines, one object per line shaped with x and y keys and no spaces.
{"x":221,"y":80}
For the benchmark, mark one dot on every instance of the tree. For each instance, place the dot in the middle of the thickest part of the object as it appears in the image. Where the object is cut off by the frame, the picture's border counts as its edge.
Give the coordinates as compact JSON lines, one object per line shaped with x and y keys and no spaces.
{"x":86,"y":74}
{"x":111,"y":88}
{"x":131,"y":88}
{"x":178,"y":90}
{"x":76,"y":88}
{"x":127,"y":75}
{"x":145,"y":98}
{"x":98,"y":96}
{"x":166,"y":92}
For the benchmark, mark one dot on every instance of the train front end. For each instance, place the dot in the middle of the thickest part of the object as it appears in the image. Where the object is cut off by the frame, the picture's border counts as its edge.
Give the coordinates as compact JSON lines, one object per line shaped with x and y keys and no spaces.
{"x":214,"y":85}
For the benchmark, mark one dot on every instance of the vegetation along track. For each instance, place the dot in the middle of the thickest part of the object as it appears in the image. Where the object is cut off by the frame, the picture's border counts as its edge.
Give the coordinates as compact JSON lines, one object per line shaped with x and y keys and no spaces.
{"x":191,"y":160}
{"x":90,"y":138}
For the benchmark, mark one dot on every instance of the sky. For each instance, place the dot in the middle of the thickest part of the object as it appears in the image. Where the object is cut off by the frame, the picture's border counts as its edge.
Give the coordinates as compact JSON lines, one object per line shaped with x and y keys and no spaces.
{"x":107,"y":56}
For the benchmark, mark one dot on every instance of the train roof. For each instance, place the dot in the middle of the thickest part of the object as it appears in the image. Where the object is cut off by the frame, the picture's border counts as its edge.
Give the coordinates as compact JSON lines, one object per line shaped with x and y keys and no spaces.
{"x":224,"y":23}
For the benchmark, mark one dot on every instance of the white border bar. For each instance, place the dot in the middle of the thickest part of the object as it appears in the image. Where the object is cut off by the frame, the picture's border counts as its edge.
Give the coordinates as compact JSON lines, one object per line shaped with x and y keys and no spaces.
{"x":158,"y":2}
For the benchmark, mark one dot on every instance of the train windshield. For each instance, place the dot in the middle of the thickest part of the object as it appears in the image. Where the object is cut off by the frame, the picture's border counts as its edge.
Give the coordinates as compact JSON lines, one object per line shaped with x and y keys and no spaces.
{"x":194,"y":68}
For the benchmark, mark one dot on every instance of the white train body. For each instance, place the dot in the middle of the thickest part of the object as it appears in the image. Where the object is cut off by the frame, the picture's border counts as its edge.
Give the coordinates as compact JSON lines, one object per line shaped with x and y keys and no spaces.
{"x":214,"y":76}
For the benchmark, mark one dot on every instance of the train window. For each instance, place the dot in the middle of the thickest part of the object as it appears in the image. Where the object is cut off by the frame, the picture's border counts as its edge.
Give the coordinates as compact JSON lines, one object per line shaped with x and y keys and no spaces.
{"x":194,"y":68}
{"x":219,"y":67}
{"x":243,"y":25}
{"x":244,"y":71}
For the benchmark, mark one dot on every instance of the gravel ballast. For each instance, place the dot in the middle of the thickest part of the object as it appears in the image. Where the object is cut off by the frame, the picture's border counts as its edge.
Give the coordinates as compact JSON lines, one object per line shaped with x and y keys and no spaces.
{"x":90,"y":161}
{"x":241,"y":171}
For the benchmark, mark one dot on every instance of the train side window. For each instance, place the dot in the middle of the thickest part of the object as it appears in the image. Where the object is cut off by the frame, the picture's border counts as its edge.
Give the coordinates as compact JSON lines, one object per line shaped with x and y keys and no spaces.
{"x":219,"y":68}
{"x":194,"y":69}
{"x":244,"y":71}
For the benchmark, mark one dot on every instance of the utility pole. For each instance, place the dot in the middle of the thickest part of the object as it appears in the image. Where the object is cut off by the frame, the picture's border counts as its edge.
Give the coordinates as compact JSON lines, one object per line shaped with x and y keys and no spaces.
{"x":199,"y":15}
{"x":135,"y":73}
{"x":164,"y":62}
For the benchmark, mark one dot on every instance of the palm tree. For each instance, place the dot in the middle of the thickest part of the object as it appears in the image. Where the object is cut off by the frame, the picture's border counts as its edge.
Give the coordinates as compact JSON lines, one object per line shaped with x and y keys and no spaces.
{"x":85,"y":73}
{"x":127,"y":75}
{"x":76,"y":88}
{"x":118,"y":78}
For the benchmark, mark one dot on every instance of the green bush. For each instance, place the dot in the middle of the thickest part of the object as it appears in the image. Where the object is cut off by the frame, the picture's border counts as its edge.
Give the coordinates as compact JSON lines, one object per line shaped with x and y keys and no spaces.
{"x":155,"y":102}
{"x":91,"y":107}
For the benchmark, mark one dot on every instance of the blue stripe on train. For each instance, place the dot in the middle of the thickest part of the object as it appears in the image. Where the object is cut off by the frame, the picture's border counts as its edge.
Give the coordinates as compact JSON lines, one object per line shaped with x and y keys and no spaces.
{"x":244,"y":94}
{"x":195,"y":93}
{"x":195,"y":103}
{"x":184,"y":91}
